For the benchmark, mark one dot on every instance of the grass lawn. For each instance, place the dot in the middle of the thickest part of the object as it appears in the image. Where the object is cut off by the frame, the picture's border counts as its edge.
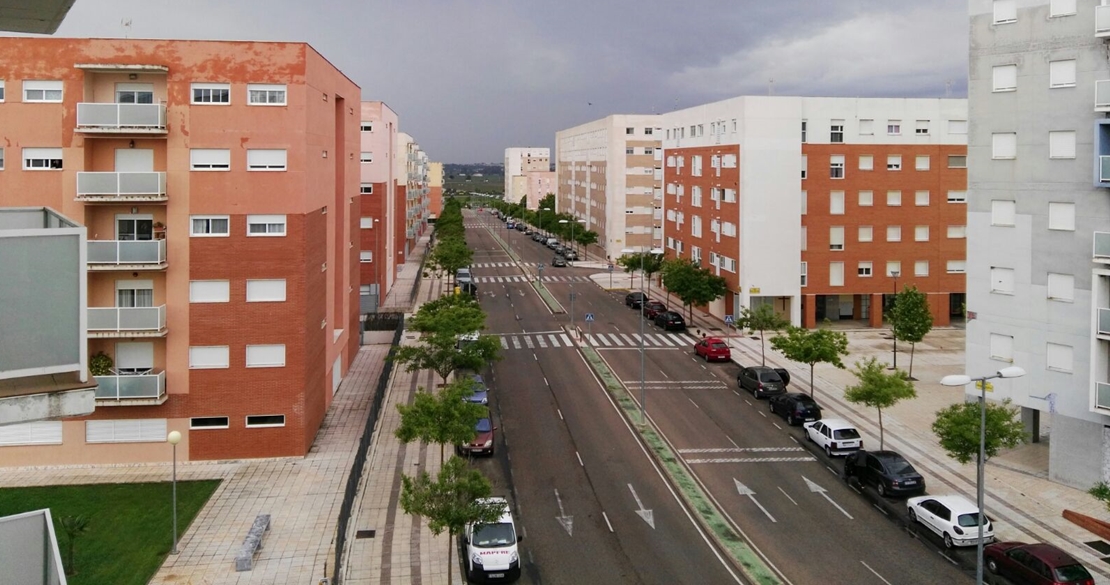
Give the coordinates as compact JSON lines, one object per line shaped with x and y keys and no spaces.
{"x":130,"y":524}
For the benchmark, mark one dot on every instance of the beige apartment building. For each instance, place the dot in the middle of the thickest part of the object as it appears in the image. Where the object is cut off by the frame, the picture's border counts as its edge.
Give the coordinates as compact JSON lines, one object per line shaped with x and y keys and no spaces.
{"x":519,"y":162}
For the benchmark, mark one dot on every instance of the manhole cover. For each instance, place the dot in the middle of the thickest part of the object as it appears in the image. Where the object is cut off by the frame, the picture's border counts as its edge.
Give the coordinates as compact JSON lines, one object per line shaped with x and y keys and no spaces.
{"x":1099,"y":545}
{"x":365,"y":533}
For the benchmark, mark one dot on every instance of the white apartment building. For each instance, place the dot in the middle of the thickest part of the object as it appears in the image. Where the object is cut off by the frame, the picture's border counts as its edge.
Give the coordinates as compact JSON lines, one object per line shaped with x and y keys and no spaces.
{"x":519,"y":162}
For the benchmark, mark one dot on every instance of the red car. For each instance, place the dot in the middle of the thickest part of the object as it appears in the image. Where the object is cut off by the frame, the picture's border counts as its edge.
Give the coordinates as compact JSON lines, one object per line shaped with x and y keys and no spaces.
{"x":1035,"y":564}
{"x":653,"y":308}
{"x":713,"y":348}
{"x":483,"y":439}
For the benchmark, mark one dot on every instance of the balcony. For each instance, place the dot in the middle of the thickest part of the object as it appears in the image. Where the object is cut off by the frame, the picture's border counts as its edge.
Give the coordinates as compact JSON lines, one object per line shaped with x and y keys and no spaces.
{"x":127,"y":254}
{"x":131,"y":389}
{"x":1104,"y":322}
{"x":1104,"y":170}
{"x":121,"y":187}
{"x":121,"y":118}
{"x":127,"y":321}
{"x":1102,"y":21}
{"x":1102,"y":95}
{"x":1102,"y":395}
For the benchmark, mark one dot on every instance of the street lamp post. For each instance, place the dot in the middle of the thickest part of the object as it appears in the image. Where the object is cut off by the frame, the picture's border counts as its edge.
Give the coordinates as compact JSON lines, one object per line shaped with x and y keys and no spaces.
{"x":643,"y":301}
{"x":174,"y":438}
{"x":894,"y":298}
{"x":541,"y":222}
{"x":572,"y":296}
{"x":964,"y":380}
{"x":572,"y":224}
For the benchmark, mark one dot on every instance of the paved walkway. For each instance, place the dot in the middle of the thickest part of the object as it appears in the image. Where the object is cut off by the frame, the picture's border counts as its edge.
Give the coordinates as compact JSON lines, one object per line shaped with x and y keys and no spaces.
{"x":399,"y":298}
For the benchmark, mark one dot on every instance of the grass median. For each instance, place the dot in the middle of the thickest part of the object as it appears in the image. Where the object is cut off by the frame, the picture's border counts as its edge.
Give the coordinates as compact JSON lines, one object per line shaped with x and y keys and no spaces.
{"x":547,"y":297}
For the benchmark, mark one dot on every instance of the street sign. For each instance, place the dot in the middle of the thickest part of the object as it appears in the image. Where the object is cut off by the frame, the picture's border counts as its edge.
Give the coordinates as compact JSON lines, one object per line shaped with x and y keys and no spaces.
{"x":541,"y":266}
{"x":610,"y":268}
{"x":729,"y":319}
{"x":589,"y":317}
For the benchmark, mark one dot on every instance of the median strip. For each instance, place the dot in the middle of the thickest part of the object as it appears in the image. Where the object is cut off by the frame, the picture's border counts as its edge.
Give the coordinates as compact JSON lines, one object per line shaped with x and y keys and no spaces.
{"x":548,"y":298}
{"x":750,"y":562}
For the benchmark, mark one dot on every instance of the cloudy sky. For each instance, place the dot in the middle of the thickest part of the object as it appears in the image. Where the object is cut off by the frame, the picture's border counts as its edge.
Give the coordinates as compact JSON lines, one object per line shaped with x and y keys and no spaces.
{"x":472,"y":77}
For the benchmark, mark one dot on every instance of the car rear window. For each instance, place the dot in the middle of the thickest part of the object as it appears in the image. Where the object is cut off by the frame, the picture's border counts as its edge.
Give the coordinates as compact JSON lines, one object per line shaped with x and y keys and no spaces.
{"x":844,"y":434}
{"x":968,"y":519}
{"x":769,"y":377}
{"x":1069,"y":573}
{"x":718,"y":345}
{"x":899,"y":466}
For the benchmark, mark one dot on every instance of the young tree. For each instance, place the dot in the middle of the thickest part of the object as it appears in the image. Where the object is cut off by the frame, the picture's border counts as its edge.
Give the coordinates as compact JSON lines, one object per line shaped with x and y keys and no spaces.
{"x":650,"y":264}
{"x":440,"y":352}
{"x":878,"y":389}
{"x":73,"y":527}
{"x":762,"y":318}
{"x":450,"y":501}
{"x":957,"y":427}
{"x":586,"y":238}
{"x":812,"y":346}
{"x":443,"y":418}
{"x":451,"y":254}
{"x":453,"y":314}
{"x":910,"y":318}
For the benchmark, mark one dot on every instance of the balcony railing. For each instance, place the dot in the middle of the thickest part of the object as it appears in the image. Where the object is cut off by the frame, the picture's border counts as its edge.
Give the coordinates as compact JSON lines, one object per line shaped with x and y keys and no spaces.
{"x":131,"y":387}
{"x":127,"y":253}
{"x":1102,"y":21}
{"x":1102,"y":395}
{"x":1102,"y":95}
{"x":1104,"y":169}
{"x":147,"y":118}
{"x":101,"y":186}
{"x":127,"y":319}
{"x":1104,"y":321}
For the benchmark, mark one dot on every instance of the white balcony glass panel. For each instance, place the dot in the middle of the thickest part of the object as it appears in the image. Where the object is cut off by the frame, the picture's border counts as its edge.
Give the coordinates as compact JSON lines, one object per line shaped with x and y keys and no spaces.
{"x":127,"y":252}
{"x":1102,"y":21}
{"x":121,"y":116}
{"x":100,"y":184}
{"x":127,"y":318}
{"x":131,"y":387}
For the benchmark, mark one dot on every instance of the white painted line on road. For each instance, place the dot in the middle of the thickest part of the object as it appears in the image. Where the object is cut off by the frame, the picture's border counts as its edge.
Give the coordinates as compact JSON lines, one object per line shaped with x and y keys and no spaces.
{"x":694,"y":403}
{"x":554,"y":340}
{"x":731,"y":441}
{"x":636,"y":339}
{"x":580,"y":464}
{"x":817,"y":489}
{"x":516,"y":342}
{"x":545,"y":382}
{"x":610,"y":525}
{"x":787,"y":496}
{"x":504,"y":344}
{"x":560,"y":411}
{"x":744,"y":490}
{"x":628,"y":339}
{"x":745,"y":400}
{"x":740,"y":449}
{"x":875,"y":572}
{"x":713,"y":374}
{"x":763,"y":414}
{"x":832,"y":471}
{"x":884,"y":511}
{"x":566,"y":340}
{"x":793,"y":439}
{"x":664,"y":374}
{"x":540,"y":340}
{"x":776,"y":425}
{"x":737,"y":393}
{"x":604,"y":340}
{"x":666,"y":340}
{"x":645,"y":513}
{"x":535,"y":357}
{"x":751,"y":460}
{"x":528,"y":342}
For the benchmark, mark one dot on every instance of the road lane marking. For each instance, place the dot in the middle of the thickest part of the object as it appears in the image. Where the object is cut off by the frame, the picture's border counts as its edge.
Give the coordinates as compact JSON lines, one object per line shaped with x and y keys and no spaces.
{"x":731,"y":441}
{"x":694,"y":403}
{"x":528,"y":342}
{"x":567,"y":522}
{"x":745,"y":400}
{"x":641,"y":511}
{"x":776,"y":425}
{"x":516,"y":342}
{"x":560,"y":411}
{"x":540,"y":340}
{"x":787,"y":496}
{"x":628,"y":339}
{"x":554,"y":340}
{"x":793,"y":439}
{"x":504,"y":344}
{"x":604,"y":340}
{"x":806,"y":459}
{"x":875,"y":572}
{"x":664,"y":374}
{"x":737,"y":393}
{"x":566,"y":340}
{"x":817,"y":489}
{"x":664,"y":339}
{"x":744,"y":490}
{"x":607,"y":523}
{"x":763,"y":414}
{"x":580,"y":464}
{"x":740,"y":449}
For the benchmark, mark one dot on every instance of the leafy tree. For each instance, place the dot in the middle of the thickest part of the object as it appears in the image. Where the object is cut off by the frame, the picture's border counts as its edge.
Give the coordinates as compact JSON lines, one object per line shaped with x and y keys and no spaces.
{"x":450,"y":501}
{"x":878,"y":389}
{"x":452,"y":314}
{"x":812,"y":346}
{"x":74,"y":527}
{"x":692,"y":284}
{"x":762,"y":318}
{"x":450,"y":255}
{"x":586,"y":238}
{"x":958,"y":426}
{"x":440,"y":353}
{"x":652,"y":264}
{"x":443,"y":418}
{"x":910,"y":318}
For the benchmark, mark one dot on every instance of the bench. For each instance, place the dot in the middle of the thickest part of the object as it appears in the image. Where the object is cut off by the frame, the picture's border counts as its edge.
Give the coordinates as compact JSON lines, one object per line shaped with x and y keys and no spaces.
{"x":244,"y":561}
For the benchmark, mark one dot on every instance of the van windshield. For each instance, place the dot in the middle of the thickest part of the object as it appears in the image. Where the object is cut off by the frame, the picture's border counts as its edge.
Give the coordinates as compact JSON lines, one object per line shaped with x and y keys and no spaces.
{"x":494,"y":535}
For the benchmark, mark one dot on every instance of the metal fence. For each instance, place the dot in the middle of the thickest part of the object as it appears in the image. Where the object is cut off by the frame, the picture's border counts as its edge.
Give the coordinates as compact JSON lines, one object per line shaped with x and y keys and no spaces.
{"x":372,"y":322}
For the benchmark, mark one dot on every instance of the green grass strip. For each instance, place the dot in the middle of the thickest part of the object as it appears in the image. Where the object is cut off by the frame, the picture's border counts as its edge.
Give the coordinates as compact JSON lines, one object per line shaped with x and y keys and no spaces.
{"x":547,"y":297}
{"x":752,"y":565}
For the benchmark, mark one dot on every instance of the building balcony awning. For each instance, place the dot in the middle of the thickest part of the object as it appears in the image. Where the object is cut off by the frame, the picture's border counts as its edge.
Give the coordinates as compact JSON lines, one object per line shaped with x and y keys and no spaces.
{"x":116,"y":67}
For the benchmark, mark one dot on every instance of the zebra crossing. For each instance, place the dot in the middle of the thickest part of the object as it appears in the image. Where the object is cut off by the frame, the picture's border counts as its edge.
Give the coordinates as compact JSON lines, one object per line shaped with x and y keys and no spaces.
{"x":598,"y":340}
{"x":502,"y":264}
{"x":546,"y":278}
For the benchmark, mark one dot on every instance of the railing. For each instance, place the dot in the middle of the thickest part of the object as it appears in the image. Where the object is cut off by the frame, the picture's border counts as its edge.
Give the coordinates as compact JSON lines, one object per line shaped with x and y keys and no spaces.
{"x":131,"y":387}
{"x":127,"y":318}
{"x":1104,"y":169}
{"x":1102,"y":246}
{"x":1102,"y":95}
{"x":1104,"y":321}
{"x":117,"y":252}
{"x":121,"y":185}
{"x":120,"y":116}
{"x":1102,"y":21}
{"x":1102,"y":395}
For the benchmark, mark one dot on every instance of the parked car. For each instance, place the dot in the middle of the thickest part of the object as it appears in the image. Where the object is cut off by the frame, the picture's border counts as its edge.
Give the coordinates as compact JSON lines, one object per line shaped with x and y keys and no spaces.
{"x":634,"y":299}
{"x":954,"y":518}
{"x":571,"y":254}
{"x":559,"y":261}
{"x":795,"y":407}
{"x":653,"y":308}
{"x":888,"y":472}
{"x":468,"y":288}
{"x":521,"y":227}
{"x":713,"y":348}
{"x":491,"y":549}
{"x":479,"y":395}
{"x":510,"y":225}
{"x":834,"y":435}
{"x":670,"y":320}
{"x":538,"y":237}
{"x":483,"y":443}
{"x":760,"y":381}
{"x":1034,"y":564}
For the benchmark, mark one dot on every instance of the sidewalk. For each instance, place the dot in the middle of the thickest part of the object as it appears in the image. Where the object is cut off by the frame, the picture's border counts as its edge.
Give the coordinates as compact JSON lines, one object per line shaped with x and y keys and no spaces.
{"x":399,"y":299}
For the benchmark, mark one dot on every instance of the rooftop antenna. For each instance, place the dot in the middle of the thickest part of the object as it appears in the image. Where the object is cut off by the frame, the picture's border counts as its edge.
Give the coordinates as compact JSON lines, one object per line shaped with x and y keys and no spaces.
{"x":126,"y":24}
{"x":771,"y":86}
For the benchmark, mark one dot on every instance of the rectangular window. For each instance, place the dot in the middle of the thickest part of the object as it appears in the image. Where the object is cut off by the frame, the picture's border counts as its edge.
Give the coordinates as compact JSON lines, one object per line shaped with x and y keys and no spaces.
{"x":836,"y":203}
{"x":957,"y":127}
{"x":728,"y":229}
{"x":366,"y":223}
{"x":1061,"y":144}
{"x":42,"y":91}
{"x":921,"y":162}
{"x":1061,"y":216}
{"x":894,"y":233}
{"x":865,"y":233}
{"x":921,"y":268}
{"x":366,"y":157}
{"x":209,"y":291}
{"x":866,"y":198}
{"x":893,"y":267}
{"x":1005,"y":11}
{"x":695,"y":225}
{"x":266,"y":356}
{"x":1004,"y":77}
{"x":957,"y":161}
{"x":366,"y":126}
{"x":1061,"y":287}
{"x":1058,"y":357}
{"x":647,"y":131}
{"x":266,"y":160}
{"x":211,"y":93}
{"x":805,"y":202}
{"x":631,"y":131}
{"x":805,"y":165}
{"x":1003,"y":212}
{"x":42,"y":159}
{"x":956,"y":232}
{"x":805,"y":123}
{"x":1002,"y":347}
{"x":921,"y":128}
{"x":200,"y":423}
{"x":265,"y":95}
{"x":803,"y":274}
{"x":730,"y":194}
{"x":836,"y":166}
{"x":209,"y":159}
{"x":957,"y":266}
{"x":266,"y":291}
{"x":836,"y":131}
{"x":866,"y":127}
{"x":894,"y":162}
{"x":265,"y":225}
{"x":957,"y":196}
{"x":866,"y":162}
{"x":921,"y":198}
{"x":32,"y":433}
{"x":1002,"y":280}
{"x":921,"y":233}
{"x":259,"y":421}
{"x":630,"y":150}
{"x":836,"y":237}
{"x":894,"y":198}
{"x":208,"y":357}
{"x":366,"y":189}
{"x":366,"y":256}
{"x":728,"y":161}
{"x":695,"y":165}
{"x":836,"y":274}
{"x":864,"y":270}
{"x":894,"y":127}
{"x":1061,"y":73}
{"x":695,"y":196}
{"x":1061,"y":8}
{"x":1004,"y":145}
{"x":1,"y":90}
{"x":805,"y":238}
{"x":142,"y":430}
{"x":209,"y":225}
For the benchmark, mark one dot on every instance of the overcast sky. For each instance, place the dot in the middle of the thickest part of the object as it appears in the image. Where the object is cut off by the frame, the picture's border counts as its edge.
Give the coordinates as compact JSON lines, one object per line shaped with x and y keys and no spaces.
{"x":470,"y":78}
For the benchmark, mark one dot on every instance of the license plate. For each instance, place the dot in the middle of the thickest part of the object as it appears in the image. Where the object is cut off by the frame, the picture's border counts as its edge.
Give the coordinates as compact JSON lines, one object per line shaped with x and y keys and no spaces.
{"x":909,"y":482}
{"x":496,"y":575}
{"x":810,"y":419}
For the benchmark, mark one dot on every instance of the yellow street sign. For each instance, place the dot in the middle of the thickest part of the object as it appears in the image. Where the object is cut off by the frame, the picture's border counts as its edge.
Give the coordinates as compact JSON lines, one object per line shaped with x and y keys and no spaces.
{"x":979,"y":386}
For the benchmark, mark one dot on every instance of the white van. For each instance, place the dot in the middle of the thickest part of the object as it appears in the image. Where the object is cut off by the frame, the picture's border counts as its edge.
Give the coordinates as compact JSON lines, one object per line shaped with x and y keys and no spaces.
{"x":463,"y":275}
{"x":491,"y":552}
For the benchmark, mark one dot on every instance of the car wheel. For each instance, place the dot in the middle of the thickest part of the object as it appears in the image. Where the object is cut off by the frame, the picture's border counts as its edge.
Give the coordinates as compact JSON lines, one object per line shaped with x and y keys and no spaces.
{"x":790,"y":420}
{"x":947,"y":540}
{"x":992,"y":566}
{"x":882,"y":490}
{"x":912,"y":515}
{"x":828,"y":451}
{"x":771,"y":406}
{"x":706,"y":356}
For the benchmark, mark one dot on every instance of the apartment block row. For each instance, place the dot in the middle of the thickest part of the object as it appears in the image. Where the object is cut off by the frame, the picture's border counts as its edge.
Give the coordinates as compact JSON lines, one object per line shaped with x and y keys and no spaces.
{"x":194,"y":229}
{"x":528,"y":175}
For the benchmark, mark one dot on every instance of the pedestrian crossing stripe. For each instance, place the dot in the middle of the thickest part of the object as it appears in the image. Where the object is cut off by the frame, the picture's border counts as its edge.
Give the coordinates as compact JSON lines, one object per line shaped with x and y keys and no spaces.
{"x":740,"y":449}
{"x":546,"y":278}
{"x":655,"y":340}
{"x":502,"y":264}
{"x":751,"y":460}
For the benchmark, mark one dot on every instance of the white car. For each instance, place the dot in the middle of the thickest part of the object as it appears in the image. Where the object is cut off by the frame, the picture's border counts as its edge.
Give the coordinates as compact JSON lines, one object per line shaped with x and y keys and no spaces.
{"x":836,"y":436}
{"x":953,"y":518}
{"x":491,"y":552}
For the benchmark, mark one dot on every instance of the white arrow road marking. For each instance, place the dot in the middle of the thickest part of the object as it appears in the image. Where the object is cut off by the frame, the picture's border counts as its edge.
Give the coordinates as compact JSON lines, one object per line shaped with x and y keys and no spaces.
{"x":566,"y":521}
{"x":813,"y":487}
{"x":746,"y":491}
{"x":643,"y":512}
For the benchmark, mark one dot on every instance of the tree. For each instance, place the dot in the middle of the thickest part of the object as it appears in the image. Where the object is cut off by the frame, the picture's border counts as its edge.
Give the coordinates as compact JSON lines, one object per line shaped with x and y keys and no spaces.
{"x":910,"y":318}
{"x":878,"y":389}
{"x":450,"y":501}
{"x":443,"y":418}
{"x":453,"y":314}
{"x":440,"y":352}
{"x":646,"y":262}
{"x":451,"y":254}
{"x":762,"y":318}
{"x":586,"y":238}
{"x":812,"y":346}
{"x":958,"y":426}
{"x":73,"y":526}
{"x":692,"y":284}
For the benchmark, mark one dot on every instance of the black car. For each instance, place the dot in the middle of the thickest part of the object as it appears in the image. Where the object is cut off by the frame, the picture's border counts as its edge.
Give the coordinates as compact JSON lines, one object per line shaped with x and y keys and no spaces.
{"x":468,"y":288}
{"x":559,"y":261}
{"x":521,"y":227}
{"x":634,"y":299}
{"x":795,"y":407}
{"x":887,"y":471}
{"x":760,"y":381}
{"x":669,"y":320}
{"x":537,"y":237}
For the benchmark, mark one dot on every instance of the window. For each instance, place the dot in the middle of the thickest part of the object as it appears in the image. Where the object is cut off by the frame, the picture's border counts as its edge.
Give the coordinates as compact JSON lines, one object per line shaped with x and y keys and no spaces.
{"x":894,"y":198}
{"x":728,"y":229}
{"x":42,"y":91}
{"x":209,"y":291}
{"x":956,"y":232}
{"x":805,"y":202}
{"x":265,"y":95}
{"x":1061,"y":216}
{"x":957,"y":196}
{"x":209,"y":225}
{"x":1002,"y":280}
{"x":1004,"y":145}
{"x":695,"y":165}
{"x":866,"y":198}
{"x":1004,"y":77}
{"x":728,"y":264}
{"x":200,"y":423}
{"x":921,"y":128}
{"x":695,"y":226}
{"x":836,"y":166}
{"x":670,"y":161}
{"x":921,"y":198}
{"x":1,"y":90}
{"x":1061,"y":144}
{"x":1061,"y":73}
{"x":893,"y":266}
{"x":894,"y":162}
{"x":266,"y":356}
{"x":142,"y":430}
{"x":1002,"y":347}
{"x":650,"y":150}
{"x":804,"y":124}
{"x":366,"y":126}
{"x":209,"y":159}
{"x":865,"y":233}
{"x":366,"y":256}
{"x":921,"y":268}
{"x":866,"y":162}
{"x":42,"y":159}
{"x":921,"y":162}
{"x":211,"y":93}
{"x":957,"y":126}
{"x":921,"y":233}
{"x":894,"y":233}
{"x":265,"y":420}
{"x":805,"y":165}
{"x":957,"y":266}
{"x":894,"y":127}
{"x":836,"y":203}
{"x":1005,"y":11}
{"x":957,"y":161}
{"x":1059,"y":357}
{"x":647,"y":131}
{"x":265,"y":225}
{"x":695,"y":196}
{"x":1061,"y":8}
{"x":33,"y":433}
{"x":836,"y":131}
{"x":366,"y":188}
{"x":1061,"y":287}
{"x":836,"y":274}
{"x":729,"y":197}
{"x":366,"y":223}
{"x":866,"y":127}
{"x":728,"y":161}
{"x":805,"y":265}
{"x":366,"y":157}
{"x":629,"y":131}
{"x":266,"y":291}
{"x":266,"y":160}
{"x":836,"y":237}
{"x":805,"y":238}
{"x":864,"y":270}
{"x":630,"y":150}
{"x":208,"y":357}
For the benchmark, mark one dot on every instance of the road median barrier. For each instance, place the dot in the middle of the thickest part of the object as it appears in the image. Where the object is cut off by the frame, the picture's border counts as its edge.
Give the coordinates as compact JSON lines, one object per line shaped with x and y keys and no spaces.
{"x":548,"y":298}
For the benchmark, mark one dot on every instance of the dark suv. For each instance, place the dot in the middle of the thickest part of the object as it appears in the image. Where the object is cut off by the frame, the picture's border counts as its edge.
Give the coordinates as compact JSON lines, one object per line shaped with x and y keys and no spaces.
{"x":760,"y":381}
{"x":795,"y":407}
{"x":887,"y":471}
{"x":634,"y":299}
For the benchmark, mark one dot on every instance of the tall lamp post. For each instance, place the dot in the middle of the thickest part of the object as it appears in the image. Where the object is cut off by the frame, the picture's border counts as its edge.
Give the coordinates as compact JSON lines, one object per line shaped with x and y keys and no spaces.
{"x":894,"y":298}
{"x":964,"y":380}
{"x":174,"y":438}
{"x":541,"y":222}
{"x":572,"y":224}
{"x":643,"y":301}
